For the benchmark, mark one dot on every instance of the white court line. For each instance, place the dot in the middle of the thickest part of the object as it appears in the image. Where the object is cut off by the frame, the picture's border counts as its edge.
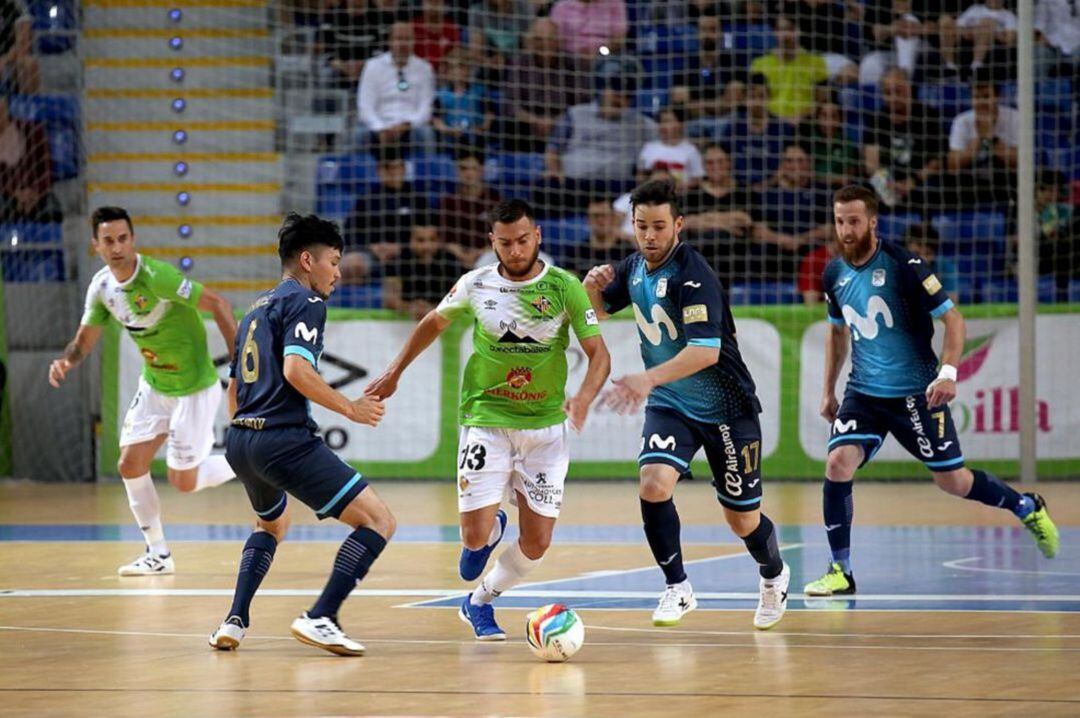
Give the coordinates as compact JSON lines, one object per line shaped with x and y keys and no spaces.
{"x":522,"y":592}
{"x":756,"y":644}
{"x":910,"y":636}
{"x":960,"y":564}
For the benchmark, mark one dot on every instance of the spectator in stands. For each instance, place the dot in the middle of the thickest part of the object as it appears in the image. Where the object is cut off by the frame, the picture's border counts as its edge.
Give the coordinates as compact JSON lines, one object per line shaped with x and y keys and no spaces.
{"x":594,"y":148}
{"x":672,"y":151}
{"x":822,"y":30}
{"x":1057,"y":51}
{"x":756,"y":139}
{"x":790,"y":216}
{"x":495,"y":31}
{"x":904,"y":148}
{"x":792,"y":73}
{"x":25,"y":171}
{"x":586,"y":26}
{"x":897,"y":36}
{"x":463,"y":112}
{"x":381,"y":220}
{"x":464,"y":224}
{"x":422,"y":274}
{"x":835,"y":157}
{"x":811,"y":270}
{"x":20,"y":72}
{"x":396,"y":96}
{"x":542,"y":83}
{"x":718,"y":217}
{"x":983,"y":148}
{"x":923,"y":241}
{"x":985,"y":33}
{"x":300,"y":13}
{"x":1059,"y":230}
{"x":435,"y":35}
{"x":350,"y":33}
{"x":706,"y":87}
{"x":604,"y":245}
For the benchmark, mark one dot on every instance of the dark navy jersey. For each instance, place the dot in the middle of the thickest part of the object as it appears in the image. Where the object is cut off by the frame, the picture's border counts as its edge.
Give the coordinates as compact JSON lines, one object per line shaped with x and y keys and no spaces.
{"x":289,"y":319}
{"x":889,"y":304}
{"x":681,"y":303}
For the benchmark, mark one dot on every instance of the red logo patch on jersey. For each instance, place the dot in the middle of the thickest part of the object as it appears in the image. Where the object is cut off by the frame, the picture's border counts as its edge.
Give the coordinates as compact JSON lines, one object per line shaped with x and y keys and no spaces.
{"x":519,"y":377}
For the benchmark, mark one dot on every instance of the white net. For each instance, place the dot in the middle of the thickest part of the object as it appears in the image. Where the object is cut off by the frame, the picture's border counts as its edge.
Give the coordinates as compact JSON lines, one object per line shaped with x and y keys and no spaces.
{"x":407,"y":121}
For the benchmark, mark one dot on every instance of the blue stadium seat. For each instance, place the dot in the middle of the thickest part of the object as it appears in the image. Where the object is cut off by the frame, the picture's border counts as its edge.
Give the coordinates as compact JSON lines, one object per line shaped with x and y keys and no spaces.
{"x":1064,"y":159}
{"x":363,"y":296}
{"x":53,"y":21}
{"x":560,"y":234}
{"x":1054,"y":95}
{"x":60,"y":115}
{"x":1074,"y":290}
{"x":518,"y":171}
{"x":891,"y":227}
{"x":949,"y":99}
{"x":650,"y":100}
{"x":436,"y":175}
{"x":32,"y":252}
{"x":338,"y":181}
{"x":1006,"y":290}
{"x":975,"y":241}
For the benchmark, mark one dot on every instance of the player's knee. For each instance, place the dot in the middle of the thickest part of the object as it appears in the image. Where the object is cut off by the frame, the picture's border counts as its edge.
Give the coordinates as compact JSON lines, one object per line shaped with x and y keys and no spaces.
{"x":130,"y":468}
{"x":385,"y":525}
{"x":742,"y":523}
{"x":841,"y":464}
{"x":957,"y":483}
{"x":654,"y":486}
{"x":474,"y":536}
{"x":535,"y":547}
{"x":184,"y":480}
{"x":277,"y":528}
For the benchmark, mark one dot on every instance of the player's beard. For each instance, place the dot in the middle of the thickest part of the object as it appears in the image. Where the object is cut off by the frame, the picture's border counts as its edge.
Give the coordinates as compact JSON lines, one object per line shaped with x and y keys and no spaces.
{"x":859,"y":249}
{"x":511,"y":274}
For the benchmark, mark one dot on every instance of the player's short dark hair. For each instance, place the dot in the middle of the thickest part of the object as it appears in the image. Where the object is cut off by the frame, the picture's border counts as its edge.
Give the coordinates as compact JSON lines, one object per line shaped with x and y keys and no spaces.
{"x":983,"y":77}
{"x":388,"y":153}
{"x":757,"y":79}
{"x":655,"y":193}
{"x":109,"y":214}
{"x":511,"y":211}
{"x":858,"y":193}
{"x":468,"y":152}
{"x":677,"y":110}
{"x":302,"y":232}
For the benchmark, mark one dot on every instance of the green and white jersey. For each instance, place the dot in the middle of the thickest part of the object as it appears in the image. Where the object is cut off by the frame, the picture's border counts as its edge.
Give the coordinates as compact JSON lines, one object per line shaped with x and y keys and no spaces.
{"x":516,"y":376}
{"x":157,"y":306}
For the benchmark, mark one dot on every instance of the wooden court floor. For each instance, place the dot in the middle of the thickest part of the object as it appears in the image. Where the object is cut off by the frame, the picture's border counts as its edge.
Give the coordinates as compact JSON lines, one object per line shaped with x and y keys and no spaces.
{"x":75,"y":639}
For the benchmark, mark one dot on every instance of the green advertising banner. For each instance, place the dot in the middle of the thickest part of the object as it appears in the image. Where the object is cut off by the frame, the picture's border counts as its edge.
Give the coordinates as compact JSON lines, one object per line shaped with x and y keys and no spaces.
{"x":783,"y":347}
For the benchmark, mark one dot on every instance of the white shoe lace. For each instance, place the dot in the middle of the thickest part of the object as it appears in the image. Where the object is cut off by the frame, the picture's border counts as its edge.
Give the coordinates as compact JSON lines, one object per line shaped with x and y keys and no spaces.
{"x":771,"y":597}
{"x":669,"y":601}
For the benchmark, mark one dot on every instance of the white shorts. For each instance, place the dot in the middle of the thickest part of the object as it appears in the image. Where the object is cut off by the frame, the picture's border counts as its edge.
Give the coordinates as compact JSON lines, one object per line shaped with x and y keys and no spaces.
{"x":188,"y":420}
{"x":532,"y":462}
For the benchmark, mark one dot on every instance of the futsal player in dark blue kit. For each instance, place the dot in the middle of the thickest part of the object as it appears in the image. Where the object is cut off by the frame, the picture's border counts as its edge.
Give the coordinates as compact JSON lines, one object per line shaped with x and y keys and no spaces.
{"x":272,"y":444}
{"x":886,"y":299}
{"x":700,"y":395}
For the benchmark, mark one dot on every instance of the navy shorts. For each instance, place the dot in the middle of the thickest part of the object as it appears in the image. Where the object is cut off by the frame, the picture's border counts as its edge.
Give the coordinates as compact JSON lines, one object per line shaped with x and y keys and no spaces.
{"x":928,"y":434}
{"x":273,"y":462}
{"x":732,"y":449}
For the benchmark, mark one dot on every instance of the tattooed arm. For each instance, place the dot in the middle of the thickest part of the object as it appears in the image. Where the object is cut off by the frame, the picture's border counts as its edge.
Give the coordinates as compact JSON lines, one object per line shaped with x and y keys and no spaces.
{"x":79,"y":348}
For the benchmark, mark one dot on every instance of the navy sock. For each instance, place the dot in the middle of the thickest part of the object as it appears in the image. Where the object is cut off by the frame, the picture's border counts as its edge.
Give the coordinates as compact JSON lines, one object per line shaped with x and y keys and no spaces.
{"x":254,"y":563}
{"x":992,"y":491}
{"x":838,"y":509}
{"x":662,"y":531}
{"x":761,"y":543}
{"x":354,"y":558}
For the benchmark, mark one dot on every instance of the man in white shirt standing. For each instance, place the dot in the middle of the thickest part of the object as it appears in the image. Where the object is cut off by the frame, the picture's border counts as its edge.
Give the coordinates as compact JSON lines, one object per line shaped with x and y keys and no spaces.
{"x":983,"y":147}
{"x":396,"y":96}
{"x":672,"y":151}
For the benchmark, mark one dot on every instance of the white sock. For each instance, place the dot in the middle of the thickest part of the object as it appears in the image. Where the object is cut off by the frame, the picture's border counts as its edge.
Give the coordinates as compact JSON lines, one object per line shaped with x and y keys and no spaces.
{"x":215,"y":471}
{"x":510,"y":570}
{"x":144,"y":503}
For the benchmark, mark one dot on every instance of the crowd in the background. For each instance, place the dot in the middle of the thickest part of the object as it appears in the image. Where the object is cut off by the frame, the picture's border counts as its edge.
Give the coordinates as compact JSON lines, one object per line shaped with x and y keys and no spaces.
{"x":763,"y":108}
{"x":25,"y":165}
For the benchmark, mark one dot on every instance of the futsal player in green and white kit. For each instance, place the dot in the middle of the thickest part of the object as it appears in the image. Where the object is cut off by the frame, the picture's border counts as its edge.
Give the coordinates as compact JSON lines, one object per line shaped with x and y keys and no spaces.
{"x":179,"y":391}
{"x":514,"y":411}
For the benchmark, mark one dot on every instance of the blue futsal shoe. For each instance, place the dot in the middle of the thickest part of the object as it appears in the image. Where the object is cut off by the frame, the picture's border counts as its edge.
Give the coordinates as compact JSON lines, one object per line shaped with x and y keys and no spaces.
{"x":472,"y":563}
{"x":482,"y":620}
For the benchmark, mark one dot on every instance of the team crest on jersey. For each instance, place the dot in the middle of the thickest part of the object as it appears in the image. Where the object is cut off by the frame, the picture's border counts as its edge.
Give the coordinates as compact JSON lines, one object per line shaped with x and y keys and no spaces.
{"x":519,"y":377}
{"x":878,"y":278}
{"x":140,"y":301}
{"x":541,"y":304}
{"x":661,"y":288}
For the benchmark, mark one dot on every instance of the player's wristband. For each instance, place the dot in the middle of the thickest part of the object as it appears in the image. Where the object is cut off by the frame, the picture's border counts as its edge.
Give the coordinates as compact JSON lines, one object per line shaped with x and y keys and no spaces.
{"x":947,"y":371}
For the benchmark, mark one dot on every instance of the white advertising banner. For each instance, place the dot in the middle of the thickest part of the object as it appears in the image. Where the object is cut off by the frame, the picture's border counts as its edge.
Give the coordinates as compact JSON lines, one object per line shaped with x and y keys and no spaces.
{"x":355,"y":352}
{"x":986,"y":410}
{"x":612,"y":437}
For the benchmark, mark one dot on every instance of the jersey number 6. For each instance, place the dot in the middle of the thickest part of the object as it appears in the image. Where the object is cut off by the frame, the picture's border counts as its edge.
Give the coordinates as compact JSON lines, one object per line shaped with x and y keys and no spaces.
{"x":249,"y":356}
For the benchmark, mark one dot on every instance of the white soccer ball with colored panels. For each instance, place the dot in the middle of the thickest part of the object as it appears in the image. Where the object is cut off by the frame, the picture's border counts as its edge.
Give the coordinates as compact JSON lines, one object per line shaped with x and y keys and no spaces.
{"x":554,"y":632}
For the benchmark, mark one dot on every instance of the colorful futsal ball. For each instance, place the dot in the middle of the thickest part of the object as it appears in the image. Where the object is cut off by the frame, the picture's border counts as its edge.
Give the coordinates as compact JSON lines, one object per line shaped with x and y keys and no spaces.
{"x":554,"y":632}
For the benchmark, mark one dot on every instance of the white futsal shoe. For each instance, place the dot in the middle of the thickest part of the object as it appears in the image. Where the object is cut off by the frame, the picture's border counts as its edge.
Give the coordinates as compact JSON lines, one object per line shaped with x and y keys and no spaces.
{"x":149,"y":564}
{"x":675,"y":602}
{"x":228,"y":635}
{"x":324,"y":633}
{"x":773,"y":600}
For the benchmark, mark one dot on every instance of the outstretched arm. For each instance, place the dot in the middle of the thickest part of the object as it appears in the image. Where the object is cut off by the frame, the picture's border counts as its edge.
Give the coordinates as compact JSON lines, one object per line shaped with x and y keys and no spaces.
{"x":79,"y":348}
{"x":305,"y":379}
{"x":426,"y":332}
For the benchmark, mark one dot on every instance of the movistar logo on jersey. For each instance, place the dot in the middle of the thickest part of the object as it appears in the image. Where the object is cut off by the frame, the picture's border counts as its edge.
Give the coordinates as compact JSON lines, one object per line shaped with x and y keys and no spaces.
{"x":653,"y":330}
{"x":309,"y":335}
{"x":867,"y":327}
